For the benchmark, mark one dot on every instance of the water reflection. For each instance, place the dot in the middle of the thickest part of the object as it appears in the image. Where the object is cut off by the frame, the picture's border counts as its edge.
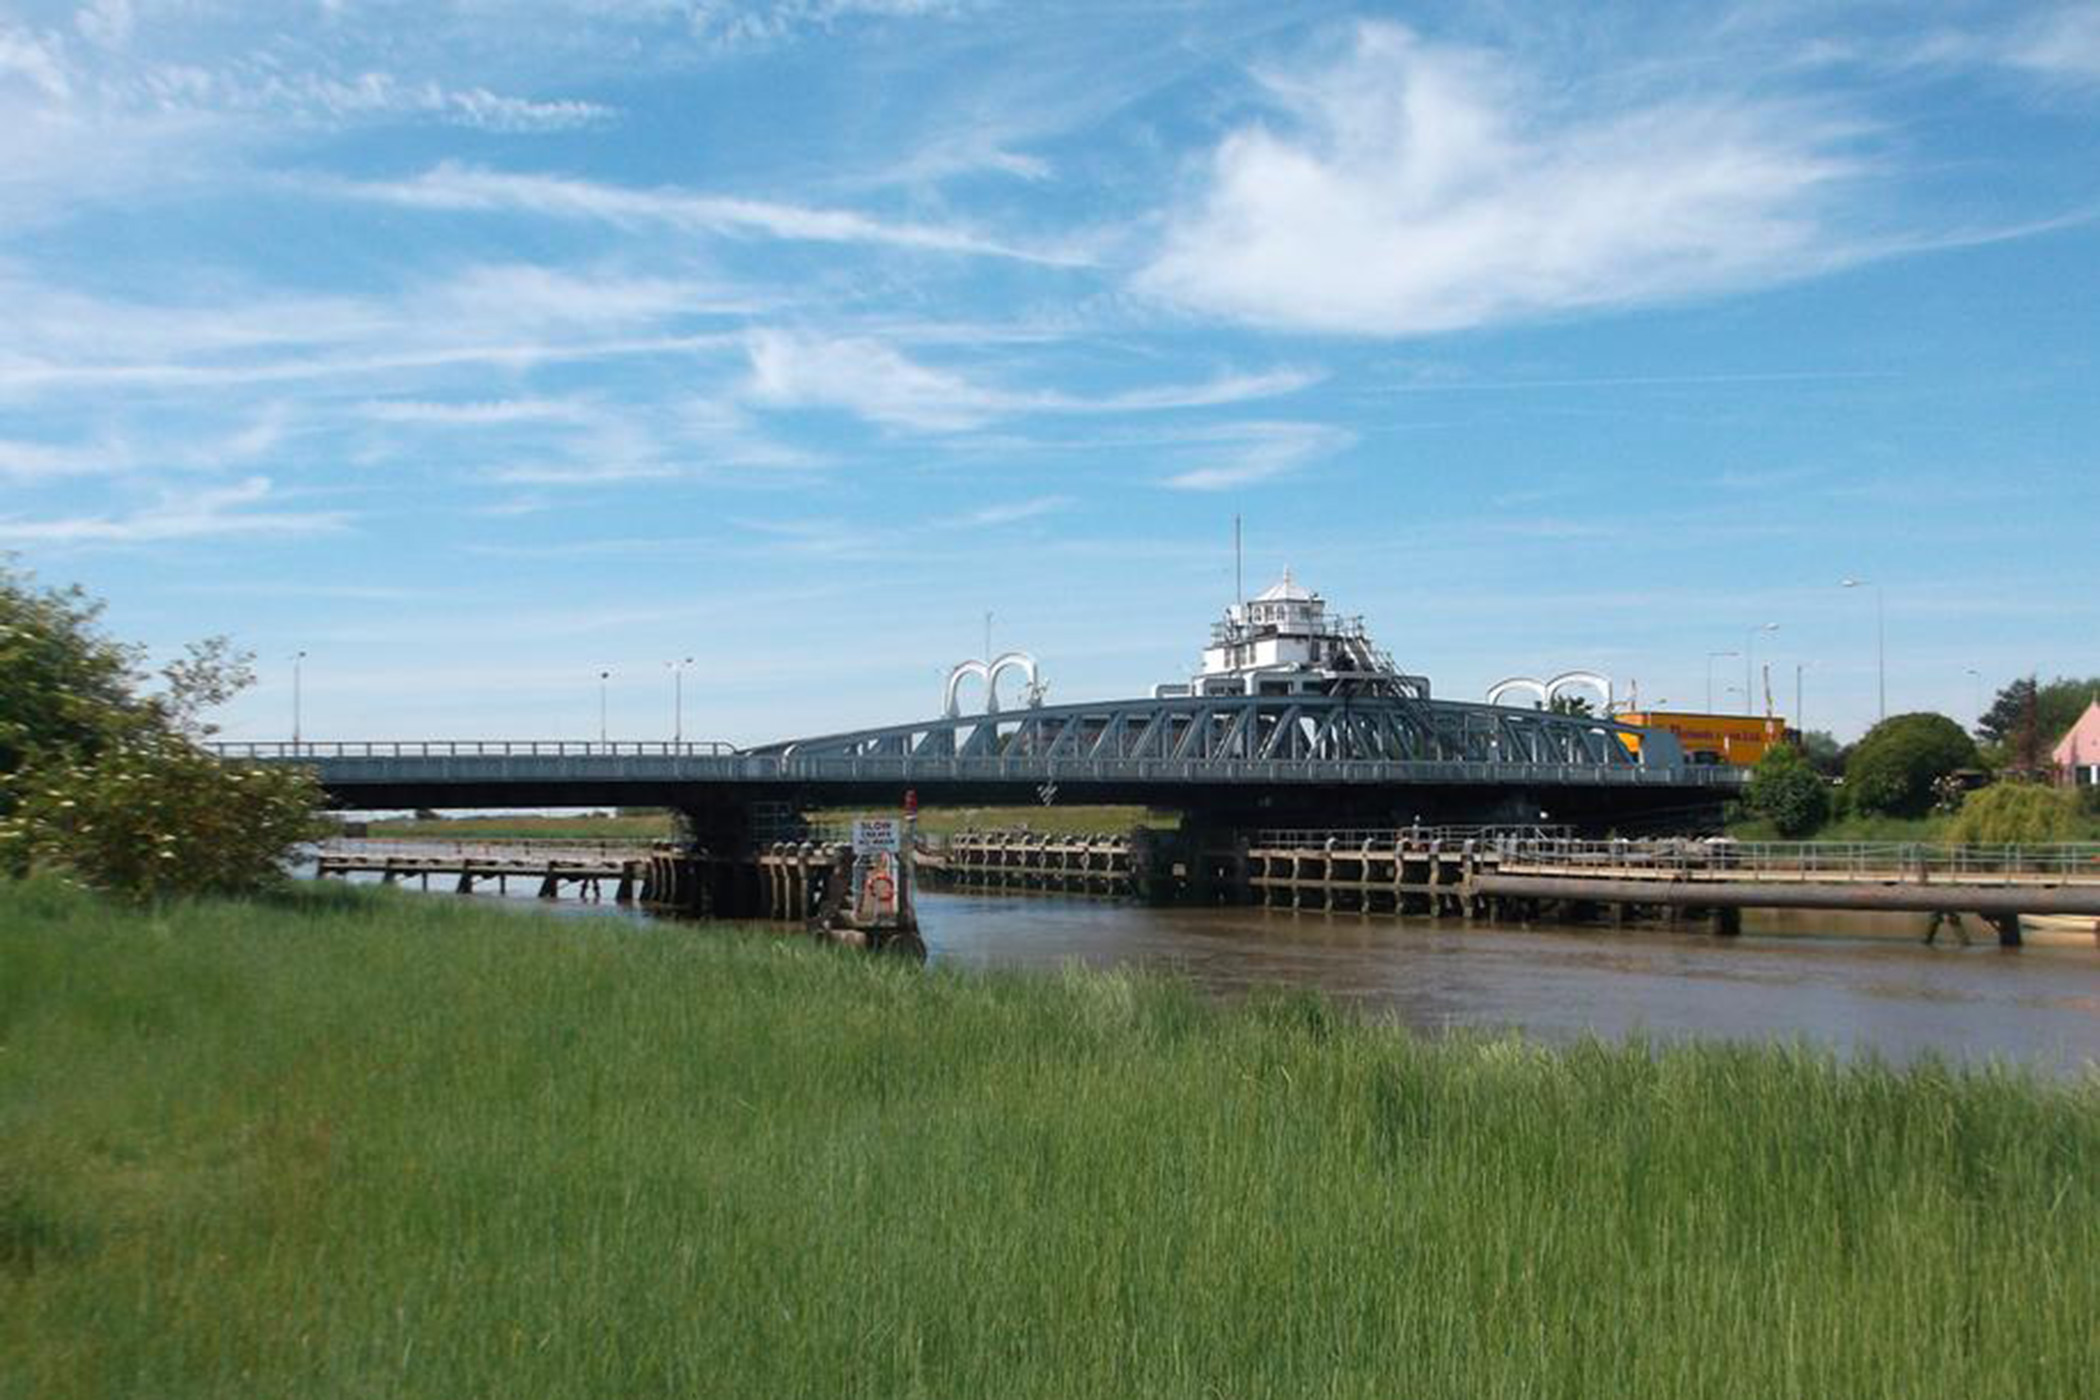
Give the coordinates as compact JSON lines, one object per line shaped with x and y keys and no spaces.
{"x":1889,"y":997}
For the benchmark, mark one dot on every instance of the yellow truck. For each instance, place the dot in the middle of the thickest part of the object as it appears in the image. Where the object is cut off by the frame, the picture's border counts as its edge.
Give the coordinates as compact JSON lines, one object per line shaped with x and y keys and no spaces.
{"x":1736,"y":739}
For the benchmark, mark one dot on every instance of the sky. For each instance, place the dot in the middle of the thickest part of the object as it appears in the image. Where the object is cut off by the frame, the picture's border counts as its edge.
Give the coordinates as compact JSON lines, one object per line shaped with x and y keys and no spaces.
{"x":477,"y":349}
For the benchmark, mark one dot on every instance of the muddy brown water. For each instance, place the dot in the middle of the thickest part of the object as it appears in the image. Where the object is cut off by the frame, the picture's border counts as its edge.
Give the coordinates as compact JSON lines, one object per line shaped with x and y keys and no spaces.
{"x":1856,"y":986}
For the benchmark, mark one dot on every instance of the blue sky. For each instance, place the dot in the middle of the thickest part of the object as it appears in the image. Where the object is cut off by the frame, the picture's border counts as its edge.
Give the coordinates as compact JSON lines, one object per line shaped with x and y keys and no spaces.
{"x":476,"y":348}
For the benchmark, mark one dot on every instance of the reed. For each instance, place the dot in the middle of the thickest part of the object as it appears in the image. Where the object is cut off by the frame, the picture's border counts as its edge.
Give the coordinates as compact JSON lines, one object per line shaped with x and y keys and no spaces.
{"x":356,"y":1144}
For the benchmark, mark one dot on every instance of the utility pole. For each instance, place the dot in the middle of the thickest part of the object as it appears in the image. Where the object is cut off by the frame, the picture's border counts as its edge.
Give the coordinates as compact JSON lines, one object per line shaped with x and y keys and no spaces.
{"x":1881,"y":643}
{"x":603,"y":677}
{"x":678,"y":697}
{"x":1749,"y":653}
{"x":1711,"y":658}
{"x":297,"y":658}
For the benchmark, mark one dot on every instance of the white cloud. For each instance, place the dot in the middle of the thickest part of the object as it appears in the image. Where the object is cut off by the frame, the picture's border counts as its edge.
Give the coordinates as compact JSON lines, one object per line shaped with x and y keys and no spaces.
{"x":450,"y":186}
{"x":1418,"y":189}
{"x":734,"y":23}
{"x":2065,"y":44}
{"x":879,"y":383}
{"x":1246,"y":453}
{"x":177,"y":516}
{"x":475,"y":413}
{"x":34,"y":60}
{"x":1010,"y":512}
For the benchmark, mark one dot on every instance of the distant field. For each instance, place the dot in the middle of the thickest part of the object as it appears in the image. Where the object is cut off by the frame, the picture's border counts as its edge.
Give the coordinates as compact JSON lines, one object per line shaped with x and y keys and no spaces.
{"x":656,"y":826}
{"x":649,"y":827}
{"x":357,"y":1145}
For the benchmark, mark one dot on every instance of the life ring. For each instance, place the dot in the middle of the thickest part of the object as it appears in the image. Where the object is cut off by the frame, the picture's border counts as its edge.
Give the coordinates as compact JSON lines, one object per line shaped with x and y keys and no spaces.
{"x":881,"y":888}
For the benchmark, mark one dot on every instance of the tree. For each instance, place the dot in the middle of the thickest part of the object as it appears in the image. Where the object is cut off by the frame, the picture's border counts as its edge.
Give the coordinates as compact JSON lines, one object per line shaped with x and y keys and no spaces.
{"x":1565,"y":704}
{"x":2012,"y":813}
{"x":2026,"y":719}
{"x":1823,"y":752}
{"x":110,"y":785}
{"x":1788,"y":792}
{"x":1893,"y":769}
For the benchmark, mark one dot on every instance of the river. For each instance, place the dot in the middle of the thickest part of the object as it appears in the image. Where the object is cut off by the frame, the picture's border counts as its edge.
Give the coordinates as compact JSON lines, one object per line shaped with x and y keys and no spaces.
{"x":1814,"y":983}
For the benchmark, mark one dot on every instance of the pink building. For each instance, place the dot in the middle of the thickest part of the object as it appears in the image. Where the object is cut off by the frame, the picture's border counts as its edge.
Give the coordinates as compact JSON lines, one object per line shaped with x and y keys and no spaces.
{"x":2078,"y":756}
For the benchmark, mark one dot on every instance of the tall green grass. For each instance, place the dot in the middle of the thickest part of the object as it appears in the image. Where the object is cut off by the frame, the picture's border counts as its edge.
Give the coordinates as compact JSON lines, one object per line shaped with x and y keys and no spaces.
{"x":351,"y":1145}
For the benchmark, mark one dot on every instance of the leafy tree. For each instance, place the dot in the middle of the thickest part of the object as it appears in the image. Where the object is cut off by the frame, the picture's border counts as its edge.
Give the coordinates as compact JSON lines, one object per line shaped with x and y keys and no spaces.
{"x":2026,"y":718}
{"x":1823,"y":752}
{"x":1893,"y":769}
{"x":1565,"y":704}
{"x":2012,"y":813}
{"x":1787,"y":791}
{"x":110,"y":785}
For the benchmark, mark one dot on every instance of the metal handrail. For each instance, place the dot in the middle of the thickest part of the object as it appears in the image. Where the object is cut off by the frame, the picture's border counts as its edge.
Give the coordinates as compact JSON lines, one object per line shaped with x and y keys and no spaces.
{"x":476,"y":748}
{"x":1891,"y":860}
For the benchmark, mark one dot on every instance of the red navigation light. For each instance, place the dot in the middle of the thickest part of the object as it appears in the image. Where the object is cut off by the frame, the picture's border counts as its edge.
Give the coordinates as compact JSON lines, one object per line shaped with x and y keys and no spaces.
{"x":911,"y":802}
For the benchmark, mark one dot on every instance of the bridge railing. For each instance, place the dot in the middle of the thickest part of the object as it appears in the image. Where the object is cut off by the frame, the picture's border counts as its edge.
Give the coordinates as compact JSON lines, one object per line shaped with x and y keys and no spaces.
{"x":477,"y":748}
{"x":1387,"y":837}
{"x":1858,"y":860}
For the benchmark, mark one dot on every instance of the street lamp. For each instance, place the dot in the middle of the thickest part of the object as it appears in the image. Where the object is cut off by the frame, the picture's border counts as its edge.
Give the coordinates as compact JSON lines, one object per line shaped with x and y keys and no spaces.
{"x":1712,"y":657}
{"x":678,"y":697}
{"x":1975,"y":691}
{"x":297,"y":658}
{"x":603,"y":677}
{"x":1881,"y":641}
{"x":1799,"y":723}
{"x":1749,"y":656}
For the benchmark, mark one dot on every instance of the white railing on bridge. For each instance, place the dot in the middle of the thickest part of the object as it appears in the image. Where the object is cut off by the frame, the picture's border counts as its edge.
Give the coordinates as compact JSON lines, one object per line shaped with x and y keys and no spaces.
{"x":1909,"y":861}
{"x":477,"y":748}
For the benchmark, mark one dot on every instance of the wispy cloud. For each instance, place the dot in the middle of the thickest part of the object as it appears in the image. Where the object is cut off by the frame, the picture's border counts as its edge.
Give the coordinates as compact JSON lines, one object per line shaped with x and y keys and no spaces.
{"x":177,"y":516}
{"x":878,"y":382}
{"x":1418,"y":188}
{"x":1009,"y":512}
{"x":1242,"y":454}
{"x":451,"y":186}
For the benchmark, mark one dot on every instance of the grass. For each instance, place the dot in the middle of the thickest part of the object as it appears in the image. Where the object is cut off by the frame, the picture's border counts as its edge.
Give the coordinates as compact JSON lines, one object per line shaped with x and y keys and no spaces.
{"x":644,"y":826}
{"x":348,"y":1144}
{"x":1928,"y":830}
{"x":659,"y":825}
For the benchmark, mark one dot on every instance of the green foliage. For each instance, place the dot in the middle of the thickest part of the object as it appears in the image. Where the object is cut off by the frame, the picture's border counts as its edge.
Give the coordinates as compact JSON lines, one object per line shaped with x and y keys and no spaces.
{"x":109,"y":785}
{"x":2053,"y":708}
{"x":1823,"y":752}
{"x":1892,"y":771}
{"x":1566,"y":704}
{"x":2015,"y":813}
{"x":1789,"y":793}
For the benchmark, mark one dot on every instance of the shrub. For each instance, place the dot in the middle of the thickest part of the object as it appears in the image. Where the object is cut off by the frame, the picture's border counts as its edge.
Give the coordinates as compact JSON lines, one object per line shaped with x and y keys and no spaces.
{"x":1893,"y":769}
{"x":111,"y":786}
{"x":2011,"y":814}
{"x":1788,"y":792}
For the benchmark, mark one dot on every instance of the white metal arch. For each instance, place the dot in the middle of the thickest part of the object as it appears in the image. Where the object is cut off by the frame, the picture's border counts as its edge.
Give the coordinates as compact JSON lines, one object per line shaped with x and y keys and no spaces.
{"x":989,"y":672}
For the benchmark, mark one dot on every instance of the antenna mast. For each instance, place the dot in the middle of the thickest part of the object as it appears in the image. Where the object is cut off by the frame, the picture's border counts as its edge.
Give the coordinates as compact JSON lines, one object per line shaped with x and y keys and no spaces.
{"x":1239,"y":585}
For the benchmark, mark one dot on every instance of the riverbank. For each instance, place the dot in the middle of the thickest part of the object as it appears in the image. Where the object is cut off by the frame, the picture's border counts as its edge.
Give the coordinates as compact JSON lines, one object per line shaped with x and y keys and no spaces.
{"x":352,"y":1143}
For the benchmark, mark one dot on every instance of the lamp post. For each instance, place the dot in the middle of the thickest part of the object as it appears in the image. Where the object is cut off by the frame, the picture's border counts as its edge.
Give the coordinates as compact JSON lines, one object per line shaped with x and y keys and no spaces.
{"x":1749,"y":657}
{"x":1799,"y":722}
{"x":297,"y":658}
{"x":1881,"y":643}
{"x":1975,"y":692}
{"x":603,"y":677}
{"x":1711,"y":658}
{"x":678,"y":697}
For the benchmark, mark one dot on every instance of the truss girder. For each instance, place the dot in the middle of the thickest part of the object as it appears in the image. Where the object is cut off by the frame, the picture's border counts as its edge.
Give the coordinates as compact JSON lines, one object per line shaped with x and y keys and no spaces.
{"x":1236,"y":729}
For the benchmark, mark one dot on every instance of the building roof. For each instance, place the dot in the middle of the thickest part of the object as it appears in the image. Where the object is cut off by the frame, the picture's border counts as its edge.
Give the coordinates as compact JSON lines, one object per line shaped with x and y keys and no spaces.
{"x":2082,"y":744}
{"x":1287,"y":590}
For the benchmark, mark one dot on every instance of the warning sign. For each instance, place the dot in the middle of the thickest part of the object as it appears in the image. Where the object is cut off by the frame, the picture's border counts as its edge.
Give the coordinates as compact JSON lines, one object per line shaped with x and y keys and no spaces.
{"x":878,"y":834}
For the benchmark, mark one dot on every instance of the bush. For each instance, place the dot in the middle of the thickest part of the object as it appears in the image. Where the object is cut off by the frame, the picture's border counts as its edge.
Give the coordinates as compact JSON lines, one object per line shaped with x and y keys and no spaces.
{"x":1788,"y":792}
{"x":111,"y":786}
{"x":1893,"y":769}
{"x":2012,"y":814}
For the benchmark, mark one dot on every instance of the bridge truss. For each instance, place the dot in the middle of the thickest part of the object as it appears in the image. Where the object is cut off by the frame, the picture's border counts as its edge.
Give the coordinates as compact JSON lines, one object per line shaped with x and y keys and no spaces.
{"x":1196,"y":732}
